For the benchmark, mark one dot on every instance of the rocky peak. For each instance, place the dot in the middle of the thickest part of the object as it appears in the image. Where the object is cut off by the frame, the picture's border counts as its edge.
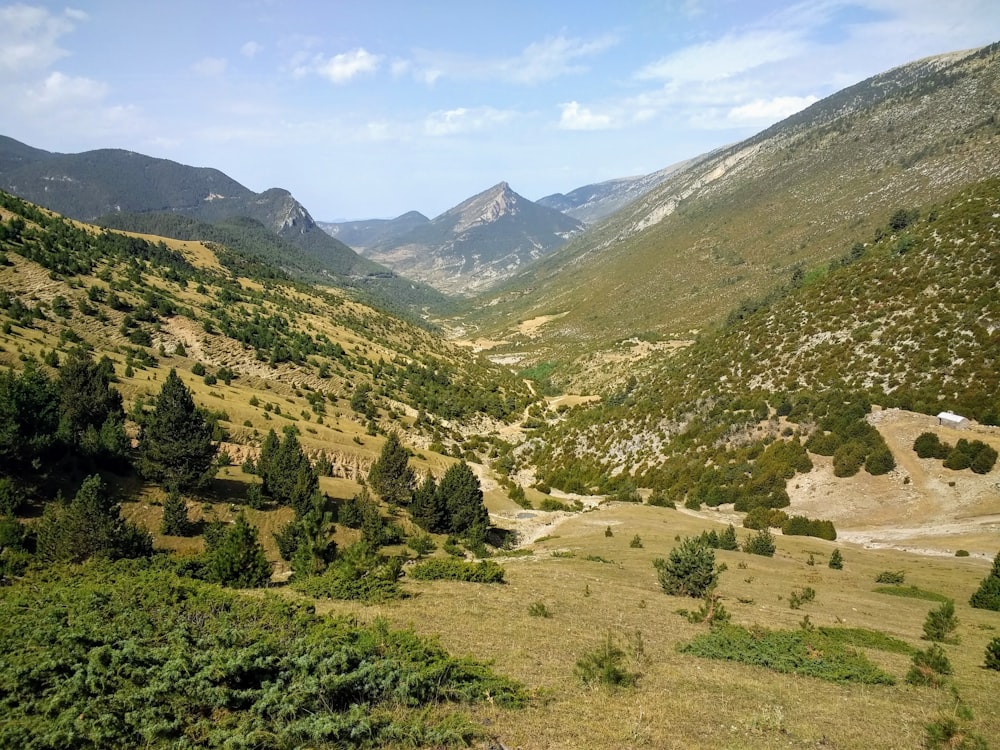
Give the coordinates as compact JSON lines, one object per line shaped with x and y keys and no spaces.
{"x":486,"y":208}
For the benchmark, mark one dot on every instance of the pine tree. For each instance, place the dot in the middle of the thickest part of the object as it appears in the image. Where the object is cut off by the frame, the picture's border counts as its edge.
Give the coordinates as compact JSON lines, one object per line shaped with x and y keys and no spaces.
{"x":463,"y":499}
{"x":175,"y":446}
{"x":836,"y":560}
{"x":175,"y":516}
{"x":90,"y":410}
{"x":239,"y":560}
{"x":427,"y":508}
{"x":727,"y":539}
{"x":941,"y":622}
{"x":391,"y":476}
{"x":987,"y":596}
{"x":287,"y":474}
{"x":689,"y":569}
{"x":90,"y":526}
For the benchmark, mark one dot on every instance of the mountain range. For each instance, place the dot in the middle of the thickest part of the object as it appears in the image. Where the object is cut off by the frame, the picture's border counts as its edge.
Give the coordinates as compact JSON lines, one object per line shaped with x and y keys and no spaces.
{"x":127,"y":189}
{"x":471,"y":247}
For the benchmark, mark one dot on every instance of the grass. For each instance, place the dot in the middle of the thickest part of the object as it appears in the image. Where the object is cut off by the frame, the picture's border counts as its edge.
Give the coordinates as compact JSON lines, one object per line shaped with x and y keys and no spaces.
{"x":750,"y":707}
{"x":912,"y":592}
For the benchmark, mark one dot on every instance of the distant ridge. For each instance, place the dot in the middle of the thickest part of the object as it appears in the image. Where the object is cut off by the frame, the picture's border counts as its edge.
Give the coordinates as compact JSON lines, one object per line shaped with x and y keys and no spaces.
{"x":112,"y":183}
{"x":472,"y":246}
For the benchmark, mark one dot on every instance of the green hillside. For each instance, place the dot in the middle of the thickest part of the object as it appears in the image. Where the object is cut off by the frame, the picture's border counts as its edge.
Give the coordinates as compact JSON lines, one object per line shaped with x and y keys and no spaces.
{"x":740,"y":222}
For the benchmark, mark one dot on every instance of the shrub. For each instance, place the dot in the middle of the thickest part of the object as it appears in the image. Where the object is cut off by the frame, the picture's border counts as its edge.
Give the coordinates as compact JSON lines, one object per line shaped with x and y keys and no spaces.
{"x":689,"y":569}
{"x":836,"y":560}
{"x":538,"y":609}
{"x":987,"y":596}
{"x":941,"y":623}
{"x":993,"y":655}
{"x":422,"y":544}
{"x":239,"y":560}
{"x":802,"y":526}
{"x":359,"y":573}
{"x":961,"y":553}
{"x":799,"y":597}
{"x":761,"y":543}
{"x":636,"y":542}
{"x":806,"y":652}
{"x":660,"y":500}
{"x":894,"y":577}
{"x":929,"y":667}
{"x":198,"y":369}
{"x":880,"y":461}
{"x":175,"y":516}
{"x":605,"y":666}
{"x":848,"y":458}
{"x":763,"y":518}
{"x":453,"y":569}
{"x":929,"y":445}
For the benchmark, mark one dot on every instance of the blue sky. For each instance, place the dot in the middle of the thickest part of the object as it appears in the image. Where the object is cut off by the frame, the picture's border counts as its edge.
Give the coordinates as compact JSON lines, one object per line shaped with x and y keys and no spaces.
{"x":371,"y":109}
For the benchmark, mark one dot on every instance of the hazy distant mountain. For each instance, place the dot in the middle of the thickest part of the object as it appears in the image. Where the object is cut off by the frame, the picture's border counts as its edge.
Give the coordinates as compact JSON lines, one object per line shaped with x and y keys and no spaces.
{"x":591,"y":203}
{"x":366,"y":233}
{"x":114,"y":182}
{"x":479,"y":242}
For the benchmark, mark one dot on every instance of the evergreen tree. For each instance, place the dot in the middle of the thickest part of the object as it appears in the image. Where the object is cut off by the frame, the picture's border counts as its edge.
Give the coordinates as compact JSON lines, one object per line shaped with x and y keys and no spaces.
{"x":463,"y":498}
{"x":391,"y":476}
{"x":727,"y":539}
{"x":987,"y":596}
{"x":175,"y":446}
{"x":427,"y":508}
{"x":941,"y":623}
{"x":761,"y":543}
{"x":91,"y":417}
{"x":175,"y":516}
{"x":689,"y":569}
{"x":239,"y":560}
{"x":29,"y":418}
{"x":287,"y":474}
{"x":90,"y":526}
{"x":836,"y":560}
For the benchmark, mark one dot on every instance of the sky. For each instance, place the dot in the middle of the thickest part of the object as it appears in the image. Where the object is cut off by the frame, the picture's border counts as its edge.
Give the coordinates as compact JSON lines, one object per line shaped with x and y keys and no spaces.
{"x":371,"y":108}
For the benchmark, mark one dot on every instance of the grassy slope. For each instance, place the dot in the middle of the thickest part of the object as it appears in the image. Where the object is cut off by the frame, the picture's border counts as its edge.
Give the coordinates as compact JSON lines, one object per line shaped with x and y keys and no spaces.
{"x":795,"y":196}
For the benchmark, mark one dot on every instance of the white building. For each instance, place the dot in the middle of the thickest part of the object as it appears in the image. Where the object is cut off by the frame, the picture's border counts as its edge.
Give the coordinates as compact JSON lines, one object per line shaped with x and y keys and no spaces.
{"x":947,"y":419}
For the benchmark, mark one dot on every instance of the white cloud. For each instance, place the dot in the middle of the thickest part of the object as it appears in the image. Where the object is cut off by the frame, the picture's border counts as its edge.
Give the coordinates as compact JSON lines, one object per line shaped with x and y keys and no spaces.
{"x":538,"y":62}
{"x":29,"y":36}
{"x":250,"y":49}
{"x":62,"y":90}
{"x":766,"y":111}
{"x":576,"y":117}
{"x":725,"y":57}
{"x":343,"y":67}
{"x":211,"y":67}
{"x":464,"y":120}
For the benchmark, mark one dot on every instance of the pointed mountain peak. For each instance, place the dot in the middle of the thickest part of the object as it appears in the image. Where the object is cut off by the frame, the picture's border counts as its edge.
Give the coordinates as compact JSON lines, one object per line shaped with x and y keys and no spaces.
{"x":486,"y":207}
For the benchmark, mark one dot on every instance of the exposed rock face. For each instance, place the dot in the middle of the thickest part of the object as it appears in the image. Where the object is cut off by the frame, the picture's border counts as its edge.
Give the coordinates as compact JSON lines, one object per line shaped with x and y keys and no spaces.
{"x":476,"y":244}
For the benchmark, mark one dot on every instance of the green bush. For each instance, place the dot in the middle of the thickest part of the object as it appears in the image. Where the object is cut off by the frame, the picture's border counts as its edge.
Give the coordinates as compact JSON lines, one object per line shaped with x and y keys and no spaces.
{"x":929,"y":667}
{"x":174,"y":662}
{"x":689,"y":569}
{"x":538,"y":609}
{"x":805,"y":652}
{"x":802,"y":526}
{"x":605,"y":666}
{"x":993,"y":655}
{"x":836,"y":560}
{"x":911,"y":592}
{"x":453,"y":569}
{"x":941,"y":623}
{"x":801,"y":596}
{"x":929,"y":445}
{"x":761,"y":543}
{"x":987,"y":596}
{"x":894,"y":577}
{"x":763,"y":518}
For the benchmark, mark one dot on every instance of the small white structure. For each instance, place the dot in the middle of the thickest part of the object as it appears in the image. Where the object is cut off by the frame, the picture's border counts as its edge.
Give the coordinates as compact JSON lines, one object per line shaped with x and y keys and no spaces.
{"x":947,"y":419}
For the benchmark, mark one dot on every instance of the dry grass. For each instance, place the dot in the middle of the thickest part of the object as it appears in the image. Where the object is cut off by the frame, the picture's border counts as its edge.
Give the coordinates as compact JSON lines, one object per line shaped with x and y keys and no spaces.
{"x":683,"y":701}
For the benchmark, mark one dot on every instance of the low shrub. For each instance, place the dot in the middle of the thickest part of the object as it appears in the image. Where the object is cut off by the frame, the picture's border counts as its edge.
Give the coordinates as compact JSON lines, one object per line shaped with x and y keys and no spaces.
{"x":804,"y":652}
{"x":911,"y":592}
{"x":993,"y":655}
{"x":890,"y":576}
{"x":801,"y":596}
{"x":929,"y":667}
{"x":452,"y":569}
{"x":606,"y":665}
{"x":538,"y":609}
{"x":941,"y":623}
{"x":836,"y":560}
{"x":761,"y":543}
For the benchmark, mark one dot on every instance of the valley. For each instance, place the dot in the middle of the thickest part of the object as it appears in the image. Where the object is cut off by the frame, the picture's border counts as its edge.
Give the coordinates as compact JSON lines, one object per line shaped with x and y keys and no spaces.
{"x":260,"y":488}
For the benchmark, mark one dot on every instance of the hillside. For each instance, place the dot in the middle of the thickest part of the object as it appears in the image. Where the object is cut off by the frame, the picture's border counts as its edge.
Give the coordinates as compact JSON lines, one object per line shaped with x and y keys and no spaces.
{"x":741,"y":221}
{"x":476,"y":244}
{"x":367,"y":233}
{"x":130,"y":190}
{"x":592,"y":203}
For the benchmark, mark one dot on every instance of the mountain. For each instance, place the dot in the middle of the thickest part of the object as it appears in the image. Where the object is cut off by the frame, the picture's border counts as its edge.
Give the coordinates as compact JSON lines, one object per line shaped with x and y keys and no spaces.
{"x":739,"y":222}
{"x":478,"y":243}
{"x":363,"y":234}
{"x":591,"y":203}
{"x":114,"y":183}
